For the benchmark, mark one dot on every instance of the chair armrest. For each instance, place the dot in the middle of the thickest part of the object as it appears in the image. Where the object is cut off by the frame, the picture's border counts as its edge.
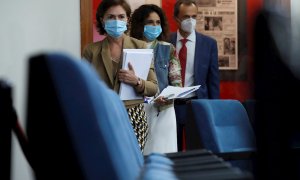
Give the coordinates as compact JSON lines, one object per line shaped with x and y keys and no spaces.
{"x":188,"y":154}
{"x":228,"y":156}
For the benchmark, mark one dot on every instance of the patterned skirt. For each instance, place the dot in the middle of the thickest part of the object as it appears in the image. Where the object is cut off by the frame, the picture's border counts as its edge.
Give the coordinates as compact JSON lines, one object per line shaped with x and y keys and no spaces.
{"x":139,"y":123}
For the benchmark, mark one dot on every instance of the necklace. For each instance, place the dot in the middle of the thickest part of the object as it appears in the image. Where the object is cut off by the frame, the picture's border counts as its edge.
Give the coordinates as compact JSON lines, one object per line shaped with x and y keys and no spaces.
{"x":117,"y":59}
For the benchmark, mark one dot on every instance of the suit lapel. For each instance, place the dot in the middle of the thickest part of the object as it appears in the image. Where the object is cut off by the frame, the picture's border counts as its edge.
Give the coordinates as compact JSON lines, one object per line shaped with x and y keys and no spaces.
{"x":126,"y":45}
{"x":199,"y":49}
{"x":173,"y":38}
{"x":106,"y":60}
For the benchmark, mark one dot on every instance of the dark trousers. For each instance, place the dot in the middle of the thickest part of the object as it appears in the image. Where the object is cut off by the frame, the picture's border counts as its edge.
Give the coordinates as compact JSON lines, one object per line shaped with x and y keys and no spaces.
{"x":181,"y":112}
{"x":187,"y":123}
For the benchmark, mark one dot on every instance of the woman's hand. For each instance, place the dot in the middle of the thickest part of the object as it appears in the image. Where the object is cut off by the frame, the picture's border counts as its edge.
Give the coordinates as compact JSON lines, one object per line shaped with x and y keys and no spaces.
{"x":162,"y":101}
{"x":128,"y":76}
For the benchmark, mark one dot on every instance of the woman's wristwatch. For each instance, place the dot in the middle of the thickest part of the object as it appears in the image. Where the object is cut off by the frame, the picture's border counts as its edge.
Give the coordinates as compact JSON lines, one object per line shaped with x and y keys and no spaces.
{"x":139,"y":82}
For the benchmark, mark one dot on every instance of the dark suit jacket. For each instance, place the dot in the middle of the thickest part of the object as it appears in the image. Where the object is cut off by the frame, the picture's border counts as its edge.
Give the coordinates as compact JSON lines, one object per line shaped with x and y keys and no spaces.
{"x":206,"y":68}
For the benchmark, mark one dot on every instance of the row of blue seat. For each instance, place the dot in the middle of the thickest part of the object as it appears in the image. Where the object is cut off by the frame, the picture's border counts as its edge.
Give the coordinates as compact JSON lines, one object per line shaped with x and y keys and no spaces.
{"x":67,"y":101}
{"x":78,"y":128}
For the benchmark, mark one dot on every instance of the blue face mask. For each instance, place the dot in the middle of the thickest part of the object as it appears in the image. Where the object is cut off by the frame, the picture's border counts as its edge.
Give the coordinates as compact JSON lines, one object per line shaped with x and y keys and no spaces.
{"x":152,"y":32}
{"x":115,"y":28}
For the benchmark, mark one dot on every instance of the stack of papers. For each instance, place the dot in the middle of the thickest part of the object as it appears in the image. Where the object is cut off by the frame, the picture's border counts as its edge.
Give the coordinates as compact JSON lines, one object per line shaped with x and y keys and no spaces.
{"x":172,"y":92}
{"x":141,"y":60}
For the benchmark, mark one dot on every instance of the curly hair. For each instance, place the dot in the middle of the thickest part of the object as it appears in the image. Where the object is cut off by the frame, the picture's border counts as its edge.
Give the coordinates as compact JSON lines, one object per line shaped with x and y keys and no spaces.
{"x":138,"y":21}
{"x":104,"y":6}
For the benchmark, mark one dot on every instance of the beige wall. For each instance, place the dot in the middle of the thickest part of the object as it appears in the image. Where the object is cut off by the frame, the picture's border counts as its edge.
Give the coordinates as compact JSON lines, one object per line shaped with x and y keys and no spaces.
{"x":135,"y":4}
{"x":157,"y":2}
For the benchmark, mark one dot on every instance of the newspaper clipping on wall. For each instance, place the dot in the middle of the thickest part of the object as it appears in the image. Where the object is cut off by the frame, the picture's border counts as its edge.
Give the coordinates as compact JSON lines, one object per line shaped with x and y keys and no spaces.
{"x":218,"y":19}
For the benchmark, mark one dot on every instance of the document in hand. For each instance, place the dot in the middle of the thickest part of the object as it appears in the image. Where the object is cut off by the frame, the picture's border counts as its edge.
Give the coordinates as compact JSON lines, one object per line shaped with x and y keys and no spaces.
{"x":172,"y":92}
{"x":141,"y":60}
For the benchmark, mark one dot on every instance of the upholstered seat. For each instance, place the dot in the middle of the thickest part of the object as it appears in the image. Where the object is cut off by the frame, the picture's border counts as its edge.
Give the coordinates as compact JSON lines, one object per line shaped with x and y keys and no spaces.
{"x":79,"y":129}
{"x":224,"y":128}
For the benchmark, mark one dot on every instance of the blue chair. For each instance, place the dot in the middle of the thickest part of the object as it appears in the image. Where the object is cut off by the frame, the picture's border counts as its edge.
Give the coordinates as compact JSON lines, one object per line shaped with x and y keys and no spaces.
{"x":79,"y":129}
{"x":224,"y":128}
{"x":250,"y":105}
{"x":5,"y":129}
{"x":71,"y":120}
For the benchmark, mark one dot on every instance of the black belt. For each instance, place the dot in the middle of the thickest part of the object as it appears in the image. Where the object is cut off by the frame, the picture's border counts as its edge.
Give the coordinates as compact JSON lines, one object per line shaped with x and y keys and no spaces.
{"x":183,"y":101}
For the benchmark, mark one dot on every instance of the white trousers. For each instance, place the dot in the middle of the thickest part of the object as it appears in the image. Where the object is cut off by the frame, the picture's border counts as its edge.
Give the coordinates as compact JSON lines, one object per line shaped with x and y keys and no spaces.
{"x":162,"y":134}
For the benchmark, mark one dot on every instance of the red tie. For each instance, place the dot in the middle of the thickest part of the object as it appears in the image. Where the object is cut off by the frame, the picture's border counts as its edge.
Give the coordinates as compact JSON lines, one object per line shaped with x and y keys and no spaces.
{"x":182,"y":58}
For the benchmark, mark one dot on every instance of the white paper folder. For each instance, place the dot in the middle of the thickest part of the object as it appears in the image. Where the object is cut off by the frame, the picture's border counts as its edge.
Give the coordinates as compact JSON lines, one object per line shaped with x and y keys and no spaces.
{"x":141,"y":60}
{"x":172,"y":92}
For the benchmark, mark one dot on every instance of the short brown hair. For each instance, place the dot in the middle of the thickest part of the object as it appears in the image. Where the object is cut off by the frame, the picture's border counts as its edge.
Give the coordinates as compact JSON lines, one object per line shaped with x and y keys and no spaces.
{"x":104,"y":6}
{"x":179,"y":2}
{"x":139,"y":17}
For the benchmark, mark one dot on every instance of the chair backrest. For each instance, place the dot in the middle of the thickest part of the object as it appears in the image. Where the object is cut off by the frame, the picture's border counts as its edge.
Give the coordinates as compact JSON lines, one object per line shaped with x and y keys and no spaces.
{"x":77,"y":127}
{"x":277,"y":86}
{"x":223,"y":125}
{"x":5,"y":129}
{"x":249,"y":105}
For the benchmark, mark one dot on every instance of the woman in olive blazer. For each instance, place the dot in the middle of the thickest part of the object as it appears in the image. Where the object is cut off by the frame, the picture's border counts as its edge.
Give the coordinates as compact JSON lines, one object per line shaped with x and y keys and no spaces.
{"x":106,"y":57}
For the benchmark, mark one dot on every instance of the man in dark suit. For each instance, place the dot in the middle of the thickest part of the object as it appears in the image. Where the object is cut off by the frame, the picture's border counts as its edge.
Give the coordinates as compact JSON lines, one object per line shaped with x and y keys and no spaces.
{"x":198,"y":56}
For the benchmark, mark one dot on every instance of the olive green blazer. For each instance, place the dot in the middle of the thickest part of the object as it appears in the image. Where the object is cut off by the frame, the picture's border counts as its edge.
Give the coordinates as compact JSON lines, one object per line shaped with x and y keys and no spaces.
{"x":98,"y":54}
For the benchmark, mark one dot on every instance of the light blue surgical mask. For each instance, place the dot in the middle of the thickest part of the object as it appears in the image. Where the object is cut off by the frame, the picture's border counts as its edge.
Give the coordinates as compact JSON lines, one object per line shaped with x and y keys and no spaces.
{"x":115,"y":28}
{"x":152,"y":32}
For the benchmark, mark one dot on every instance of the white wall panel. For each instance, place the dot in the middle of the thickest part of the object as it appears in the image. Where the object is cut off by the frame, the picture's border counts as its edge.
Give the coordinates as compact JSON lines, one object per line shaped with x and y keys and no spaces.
{"x":30,"y":27}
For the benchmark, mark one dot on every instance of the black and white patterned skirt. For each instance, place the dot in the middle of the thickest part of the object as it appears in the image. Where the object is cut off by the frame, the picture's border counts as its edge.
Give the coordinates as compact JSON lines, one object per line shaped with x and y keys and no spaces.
{"x":139,"y":123}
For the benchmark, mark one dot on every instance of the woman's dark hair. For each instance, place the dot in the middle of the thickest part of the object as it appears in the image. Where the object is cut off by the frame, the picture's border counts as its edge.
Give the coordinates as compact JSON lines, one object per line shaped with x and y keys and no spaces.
{"x":104,"y":6}
{"x":138,"y":21}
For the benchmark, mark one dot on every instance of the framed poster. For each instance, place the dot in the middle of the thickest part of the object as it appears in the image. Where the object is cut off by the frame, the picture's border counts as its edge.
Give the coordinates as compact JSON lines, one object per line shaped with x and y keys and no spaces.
{"x":219,"y":19}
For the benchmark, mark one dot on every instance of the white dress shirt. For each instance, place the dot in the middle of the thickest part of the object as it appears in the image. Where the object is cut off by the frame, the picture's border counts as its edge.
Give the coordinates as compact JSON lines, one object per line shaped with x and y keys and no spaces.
{"x":189,"y":70}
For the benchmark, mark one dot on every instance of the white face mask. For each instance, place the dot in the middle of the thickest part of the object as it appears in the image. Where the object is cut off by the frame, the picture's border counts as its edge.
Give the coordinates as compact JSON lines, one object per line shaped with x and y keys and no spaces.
{"x":188,"y":25}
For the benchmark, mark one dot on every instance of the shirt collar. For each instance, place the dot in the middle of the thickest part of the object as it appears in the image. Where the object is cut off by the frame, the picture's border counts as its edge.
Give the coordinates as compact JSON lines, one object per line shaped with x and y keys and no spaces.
{"x":191,"y":37}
